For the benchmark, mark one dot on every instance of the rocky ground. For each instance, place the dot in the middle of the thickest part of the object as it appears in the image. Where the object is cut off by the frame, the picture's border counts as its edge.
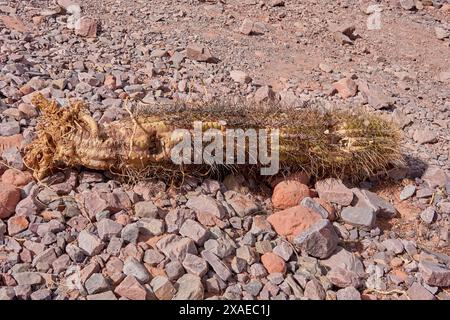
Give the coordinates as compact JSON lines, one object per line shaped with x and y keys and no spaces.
{"x":82,"y":235}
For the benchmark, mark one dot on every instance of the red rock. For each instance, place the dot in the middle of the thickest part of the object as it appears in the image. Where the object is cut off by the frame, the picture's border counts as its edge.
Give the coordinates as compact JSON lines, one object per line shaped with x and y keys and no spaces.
{"x":110,"y":82}
{"x":14,"y":23}
{"x":273,"y":263}
{"x":301,"y":177}
{"x":131,"y":289}
{"x":16,"y":177}
{"x":346,"y":88}
{"x":10,"y":142}
{"x":293,"y":221}
{"x":199,"y":53}
{"x":86,"y":27}
{"x":9,"y":197}
{"x":17,"y":224}
{"x":288,"y":194}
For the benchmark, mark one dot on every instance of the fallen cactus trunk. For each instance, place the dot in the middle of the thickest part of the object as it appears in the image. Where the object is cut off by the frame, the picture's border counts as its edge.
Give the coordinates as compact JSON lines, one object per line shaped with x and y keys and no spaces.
{"x":334,"y":144}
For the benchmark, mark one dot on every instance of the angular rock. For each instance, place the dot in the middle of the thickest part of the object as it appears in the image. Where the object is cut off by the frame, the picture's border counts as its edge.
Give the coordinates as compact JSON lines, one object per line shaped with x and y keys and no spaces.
{"x":17,"y":224}
{"x":200,"y":53}
{"x":162,"y":288}
{"x":206,"y":204}
{"x":130,"y":288}
{"x":314,"y":290}
{"x":418,"y":292}
{"x":9,"y":198}
{"x":435,"y":274}
{"x":86,"y":27}
{"x":89,"y":243}
{"x":319,"y":240}
{"x":333,"y":190}
{"x":363,"y":217}
{"x":346,"y":88}
{"x":108,"y":228}
{"x":175,"y":247}
{"x":96,"y":284}
{"x":293,"y":221}
{"x":243,"y":205}
{"x":218,"y":266}
{"x":195,"y":265}
{"x":349,"y":293}
{"x":28,"y":278}
{"x":132,"y":267}
{"x":190,"y":287}
{"x":273,"y":263}
{"x":194,"y":231}
{"x":146,"y":209}
{"x":240,"y":76}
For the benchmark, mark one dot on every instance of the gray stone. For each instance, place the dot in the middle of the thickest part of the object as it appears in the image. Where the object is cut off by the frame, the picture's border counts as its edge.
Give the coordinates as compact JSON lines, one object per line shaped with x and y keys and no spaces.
{"x":313,"y":205}
{"x":257,"y":270}
{"x":320,"y":240}
{"x":107,"y":228}
{"x":217,"y":265}
{"x":146,"y":209}
{"x":153,"y":257}
{"x":28,"y":278}
{"x":243,"y":205}
{"x":428,"y":215}
{"x":151,"y":227}
{"x":174,"y":270}
{"x":175,"y":247}
{"x":253,"y":287}
{"x":246,"y":253}
{"x":89,"y":243}
{"x":42,"y":294}
{"x":132,"y":267}
{"x":333,"y":190}
{"x":195,"y":265}
{"x":407,"y":192}
{"x":9,"y":128}
{"x":284,"y":250}
{"x":435,"y":274}
{"x":190,"y":287}
{"x":207,"y":205}
{"x":381,"y":207}
{"x":130,"y":233}
{"x":363,"y":217}
{"x":349,"y":293}
{"x":96,"y":284}
{"x":393,"y":245}
{"x":194,"y":231}
{"x":222,"y":247}
{"x":314,"y":290}
{"x":344,"y":259}
{"x":418,"y":292}
{"x":114,"y":246}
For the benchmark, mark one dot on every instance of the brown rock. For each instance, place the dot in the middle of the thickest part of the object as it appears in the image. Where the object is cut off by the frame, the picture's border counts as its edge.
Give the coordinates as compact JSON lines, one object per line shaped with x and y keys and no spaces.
{"x":16,"y":178}
{"x":289,"y":194}
{"x":293,"y":221}
{"x":246,"y":27}
{"x":9,"y":197}
{"x":10,"y":142}
{"x":86,"y":27}
{"x":263,"y":94}
{"x":131,"y":289}
{"x":200,"y":53}
{"x":14,"y":23}
{"x":346,"y":88}
{"x":273,"y":263}
{"x":17,"y":224}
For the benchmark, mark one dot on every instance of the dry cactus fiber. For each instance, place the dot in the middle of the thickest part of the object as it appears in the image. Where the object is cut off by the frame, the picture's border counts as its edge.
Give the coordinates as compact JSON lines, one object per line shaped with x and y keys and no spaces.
{"x":324,"y":144}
